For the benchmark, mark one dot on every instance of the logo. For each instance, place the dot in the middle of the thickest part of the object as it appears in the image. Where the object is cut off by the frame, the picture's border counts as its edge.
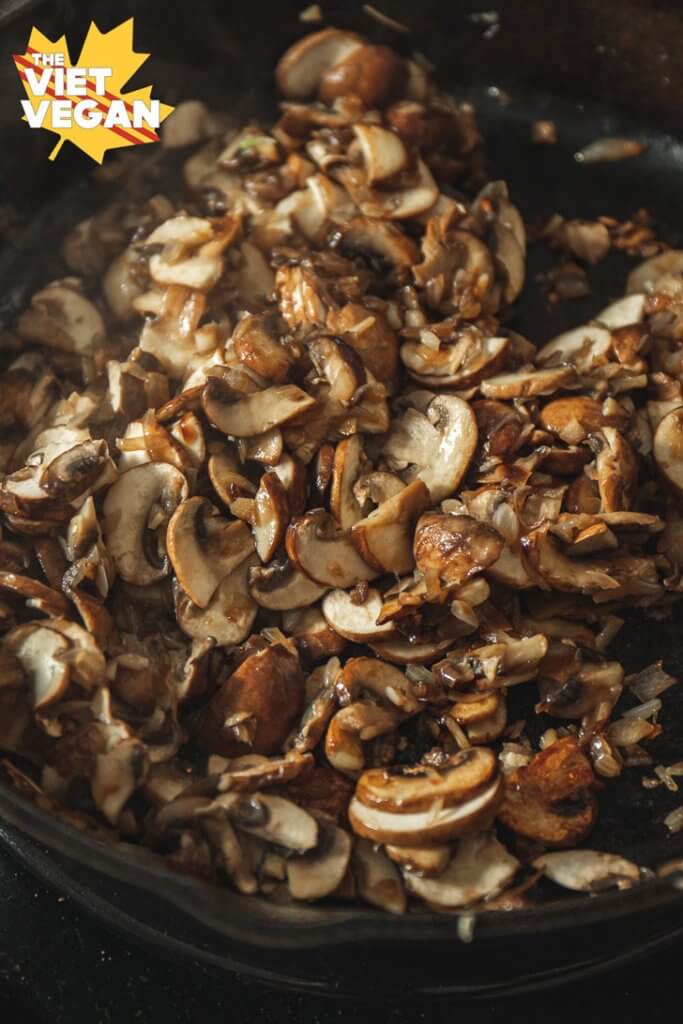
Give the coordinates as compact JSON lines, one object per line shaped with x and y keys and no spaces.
{"x":85,"y":102}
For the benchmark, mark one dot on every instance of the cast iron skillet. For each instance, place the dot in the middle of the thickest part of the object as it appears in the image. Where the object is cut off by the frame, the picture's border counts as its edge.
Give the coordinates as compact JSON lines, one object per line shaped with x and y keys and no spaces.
{"x":346,"y":949}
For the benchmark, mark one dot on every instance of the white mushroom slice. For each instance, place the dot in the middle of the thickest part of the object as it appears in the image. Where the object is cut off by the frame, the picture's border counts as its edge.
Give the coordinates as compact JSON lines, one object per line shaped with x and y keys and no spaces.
{"x":440,"y":445}
{"x":383,"y":152}
{"x":230,"y":614}
{"x":385,"y":538}
{"x":120,"y":286}
{"x":271,"y":515}
{"x":61,"y":317}
{"x":332,"y":201}
{"x":117,"y":773}
{"x":127,"y":508}
{"x":318,"y":874}
{"x":624,"y":312}
{"x":276,"y":820}
{"x":267,"y":447}
{"x":528,"y":384}
{"x":222,"y":836}
{"x":249,"y":415}
{"x":40,"y":650}
{"x":380,"y":238}
{"x":384,"y":681}
{"x":353,"y":620}
{"x":563,"y":573}
{"x":582,"y":347}
{"x":588,"y":870}
{"x":646,"y":277}
{"x":299,"y":71}
{"x":481,"y":868}
{"x":319,"y":548}
{"x":281,"y":587}
{"x":348,"y":459}
{"x":459,"y":365}
{"x":378,"y":880}
{"x":204,"y":548}
{"x":668,"y":448}
{"x":426,"y":861}
{"x":340,"y":365}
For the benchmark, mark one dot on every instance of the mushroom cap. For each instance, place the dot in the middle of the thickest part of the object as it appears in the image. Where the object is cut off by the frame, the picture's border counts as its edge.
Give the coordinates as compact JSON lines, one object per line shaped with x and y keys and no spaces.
{"x":300,"y":69}
{"x":281,"y":587}
{"x":319,"y":548}
{"x":449,"y":549}
{"x":251,"y":415}
{"x":480,"y":868}
{"x":268,"y":687}
{"x":204,"y":548}
{"x":127,"y":508}
{"x":230,"y":613}
{"x":384,"y":538}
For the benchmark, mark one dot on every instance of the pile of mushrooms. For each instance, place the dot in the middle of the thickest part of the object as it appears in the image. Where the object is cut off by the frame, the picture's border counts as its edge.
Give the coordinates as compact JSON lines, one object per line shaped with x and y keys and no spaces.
{"x":287,"y":510}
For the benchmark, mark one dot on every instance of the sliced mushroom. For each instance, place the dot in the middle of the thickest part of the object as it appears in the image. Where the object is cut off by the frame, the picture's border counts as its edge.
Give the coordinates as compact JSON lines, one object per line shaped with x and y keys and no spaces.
{"x":62,"y":317}
{"x":647,"y":276}
{"x":403,"y":652}
{"x":339,"y":365}
{"x":384,"y":538}
{"x":383,"y":239}
{"x":449,"y":549}
{"x":528,"y":384}
{"x":128,"y":507}
{"x":426,"y":861}
{"x":421,"y":805}
{"x":582,"y":347}
{"x":458,"y":365}
{"x":588,"y":870}
{"x":668,"y":449}
{"x":439,"y":445}
{"x":480,"y":869}
{"x":255,"y":708}
{"x":230,"y":613}
{"x":300,"y":70}
{"x":563,"y":573}
{"x":191,"y":250}
{"x":356,"y":620}
{"x":318,"y":874}
{"x":271,"y":515}
{"x":371,"y":73}
{"x":573,"y":419}
{"x":281,"y":587}
{"x":204,"y":548}
{"x":249,"y":415}
{"x":319,"y":548}
{"x":117,"y":773}
{"x":274,"y":819}
{"x":348,"y":459}
{"x":384,"y":155}
{"x":378,"y":880}
{"x":40,"y":652}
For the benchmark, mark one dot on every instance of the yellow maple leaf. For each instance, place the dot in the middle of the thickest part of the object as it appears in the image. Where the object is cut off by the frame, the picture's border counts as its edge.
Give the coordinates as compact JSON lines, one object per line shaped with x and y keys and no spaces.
{"x":112,"y":50}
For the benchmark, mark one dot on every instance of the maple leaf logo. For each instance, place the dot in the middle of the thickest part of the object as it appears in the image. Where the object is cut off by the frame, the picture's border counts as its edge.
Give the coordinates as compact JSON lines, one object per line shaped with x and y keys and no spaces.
{"x":88,"y":106}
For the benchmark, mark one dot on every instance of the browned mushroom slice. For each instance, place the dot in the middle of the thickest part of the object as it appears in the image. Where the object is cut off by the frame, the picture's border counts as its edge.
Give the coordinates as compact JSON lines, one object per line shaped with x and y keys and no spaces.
{"x":551,"y":800}
{"x":420,"y":805}
{"x":617,"y":470}
{"x":190,"y":250}
{"x":292,"y":473}
{"x":355,"y":620}
{"x":271,"y":515}
{"x":504,"y":228}
{"x":458,"y":365}
{"x":340,"y":365}
{"x":402,"y":652}
{"x":348,"y":460}
{"x":668,"y":449}
{"x":376,"y":487}
{"x":117,"y":773}
{"x":319,"y":873}
{"x":230,"y":613}
{"x":561,"y":572}
{"x":384,"y":155}
{"x":588,"y":870}
{"x":416,"y":197}
{"x":62,"y":317}
{"x":128,"y":507}
{"x":367,"y":332}
{"x":591,"y":694}
{"x":249,"y":415}
{"x":35,"y":593}
{"x":483,"y":718}
{"x":271,"y":818}
{"x":623,"y":312}
{"x":380,"y":238}
{"x":267,"y":447}
{"x":204,"y":548}
{"x":255,"y":708}
{"x":529,"y":383}
{"x":480,"y":868}
{"x":451,"y":548}
{"x":353,"y":726}
{"x":582,"y":347}
{"x":319,"y":548}
{"x":301,"y":68}
{"x":374,"y":74}
{"x":384,"y":681}
{"x":573,"y":419}
{"x":439,"y":445}
{"x":256,"y":346}
{"x":281,"y":587}
{"x":384,"y":538}
{"x":312,"y":633}
{"x":379,"y":882}
{"x":40,"y":652}
{"x":255,"y":771}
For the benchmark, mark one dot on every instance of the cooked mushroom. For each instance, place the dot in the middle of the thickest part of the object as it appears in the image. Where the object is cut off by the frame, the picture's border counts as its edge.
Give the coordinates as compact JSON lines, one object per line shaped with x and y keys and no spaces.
{"x":588,"y":870}
{"x":271,"y":515}
{"x":353,"y":619}
{"x":280,"y":587}
{"x":480,"y":868}
{"x":321,"y":550}
{"x":204,"y":548}
{"x":151,"y":491}
{"x":230,"y":613}
{"x":384,"y":538}
{"x":437,"y":445}
{"x":449,"y":549}
{"x":300,"y":70}
{"x":378,"y":880}
{"x":668,"y":440}
{"x":62,"y":317}
{"x":40,"y":652}
{"x":417,"y":805}
{"x":315,"y":876}
{"x":250,"y":415}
